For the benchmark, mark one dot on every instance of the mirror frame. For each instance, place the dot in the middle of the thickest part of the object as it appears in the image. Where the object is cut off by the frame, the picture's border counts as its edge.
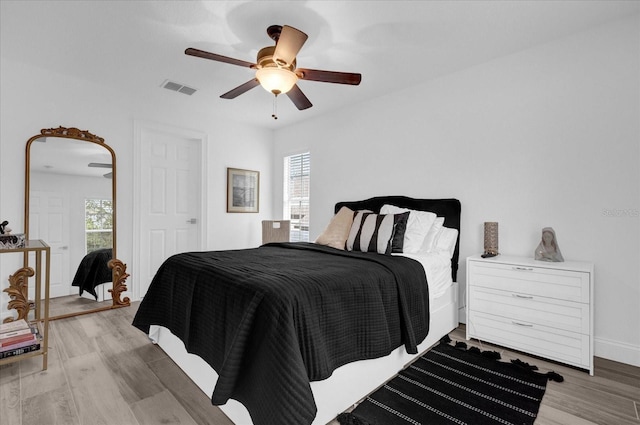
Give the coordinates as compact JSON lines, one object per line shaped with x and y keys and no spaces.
{"x":118,"y":268}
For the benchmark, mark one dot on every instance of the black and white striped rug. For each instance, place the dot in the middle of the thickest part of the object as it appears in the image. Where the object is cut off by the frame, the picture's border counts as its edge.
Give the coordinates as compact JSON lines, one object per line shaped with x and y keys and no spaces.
{"x":453,"y":385}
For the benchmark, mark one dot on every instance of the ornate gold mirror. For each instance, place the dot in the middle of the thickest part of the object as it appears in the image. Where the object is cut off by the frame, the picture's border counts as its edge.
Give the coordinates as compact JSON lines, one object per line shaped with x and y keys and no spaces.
{"x":70,"y":203}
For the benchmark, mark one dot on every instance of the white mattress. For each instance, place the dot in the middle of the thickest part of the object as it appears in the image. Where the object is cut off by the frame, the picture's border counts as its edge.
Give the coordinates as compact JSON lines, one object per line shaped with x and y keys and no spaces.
{"x":437,"y":267}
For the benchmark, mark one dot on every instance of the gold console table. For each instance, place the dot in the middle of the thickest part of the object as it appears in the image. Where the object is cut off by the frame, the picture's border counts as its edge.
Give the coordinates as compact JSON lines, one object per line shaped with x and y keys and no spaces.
{"x":18,"y":292}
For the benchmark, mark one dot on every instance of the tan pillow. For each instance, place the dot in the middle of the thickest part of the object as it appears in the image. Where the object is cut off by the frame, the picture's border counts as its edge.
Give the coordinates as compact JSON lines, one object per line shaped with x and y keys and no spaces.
{"x":337,"y":231}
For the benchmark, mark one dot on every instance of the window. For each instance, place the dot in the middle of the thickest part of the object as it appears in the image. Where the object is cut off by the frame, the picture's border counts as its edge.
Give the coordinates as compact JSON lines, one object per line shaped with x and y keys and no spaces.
{"x":296,"y":195}
{"x":98,"y":223}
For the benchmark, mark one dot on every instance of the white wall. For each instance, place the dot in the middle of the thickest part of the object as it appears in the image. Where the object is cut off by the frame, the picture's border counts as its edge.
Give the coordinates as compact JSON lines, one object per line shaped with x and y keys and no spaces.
{"x":33,"y":99}
{"x":546,"y":137}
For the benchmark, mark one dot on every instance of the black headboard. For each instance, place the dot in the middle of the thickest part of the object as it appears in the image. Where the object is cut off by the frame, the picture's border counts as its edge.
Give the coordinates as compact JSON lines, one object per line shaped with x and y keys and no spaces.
{"x":447,"y":208}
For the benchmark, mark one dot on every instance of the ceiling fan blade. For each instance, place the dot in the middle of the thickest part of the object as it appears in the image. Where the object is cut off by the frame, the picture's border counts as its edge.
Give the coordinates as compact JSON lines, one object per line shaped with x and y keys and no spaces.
{"x":288,"y":45}
{"x":215,"y":57}
{"x":298,"y":98}
{"x":243,"y":88}
{"x":329,"y":76}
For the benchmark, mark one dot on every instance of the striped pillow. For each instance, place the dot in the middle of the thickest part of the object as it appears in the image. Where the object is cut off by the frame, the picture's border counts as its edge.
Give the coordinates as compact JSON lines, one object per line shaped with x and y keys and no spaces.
{"x":381,"y":233}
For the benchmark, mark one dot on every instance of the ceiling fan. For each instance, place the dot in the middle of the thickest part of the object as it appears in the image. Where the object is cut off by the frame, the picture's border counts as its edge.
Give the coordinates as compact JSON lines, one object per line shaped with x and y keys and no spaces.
{"x":276,"y":68}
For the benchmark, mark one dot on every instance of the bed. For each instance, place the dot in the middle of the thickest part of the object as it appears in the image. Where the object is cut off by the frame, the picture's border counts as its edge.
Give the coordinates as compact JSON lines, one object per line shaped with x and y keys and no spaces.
{"x":93,"y":271}
{"x":298,"y":332}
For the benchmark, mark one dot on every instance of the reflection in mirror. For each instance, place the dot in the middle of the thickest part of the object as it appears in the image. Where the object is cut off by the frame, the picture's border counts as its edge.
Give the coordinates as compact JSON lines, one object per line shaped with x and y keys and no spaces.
{"x":70,"y":204}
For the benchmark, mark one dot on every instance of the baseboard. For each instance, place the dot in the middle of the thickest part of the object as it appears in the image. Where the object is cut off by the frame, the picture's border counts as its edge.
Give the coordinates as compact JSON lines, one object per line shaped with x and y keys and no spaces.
{"x":617,"y":351}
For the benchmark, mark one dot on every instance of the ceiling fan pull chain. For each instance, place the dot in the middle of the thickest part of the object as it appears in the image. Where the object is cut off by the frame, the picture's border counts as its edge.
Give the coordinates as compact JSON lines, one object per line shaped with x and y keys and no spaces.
{"x":275,"y":107}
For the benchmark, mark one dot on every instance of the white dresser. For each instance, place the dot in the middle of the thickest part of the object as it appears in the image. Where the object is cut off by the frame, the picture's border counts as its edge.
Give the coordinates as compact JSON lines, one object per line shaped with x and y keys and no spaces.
{"x":538,"y":307}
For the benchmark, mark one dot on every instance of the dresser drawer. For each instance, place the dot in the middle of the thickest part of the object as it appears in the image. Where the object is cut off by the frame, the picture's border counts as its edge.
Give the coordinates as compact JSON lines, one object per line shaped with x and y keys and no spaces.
{"x":550,"y":312}
{"x":538,"y":281}
{"x":555,"y":344}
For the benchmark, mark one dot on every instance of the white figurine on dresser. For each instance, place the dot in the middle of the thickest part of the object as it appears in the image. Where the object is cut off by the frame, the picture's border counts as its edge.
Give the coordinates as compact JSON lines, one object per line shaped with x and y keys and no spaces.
{"x":542,"y":308}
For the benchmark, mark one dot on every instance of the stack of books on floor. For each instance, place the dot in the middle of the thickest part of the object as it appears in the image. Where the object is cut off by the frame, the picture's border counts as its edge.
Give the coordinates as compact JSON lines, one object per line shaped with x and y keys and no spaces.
{"x":18,"y":337}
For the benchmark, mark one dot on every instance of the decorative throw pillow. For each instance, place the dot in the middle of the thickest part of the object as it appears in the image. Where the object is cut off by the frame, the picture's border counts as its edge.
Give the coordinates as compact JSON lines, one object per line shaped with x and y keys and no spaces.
{"x":381,"y":233}
{"x":337,"y":231}
{"x":418,"y":226}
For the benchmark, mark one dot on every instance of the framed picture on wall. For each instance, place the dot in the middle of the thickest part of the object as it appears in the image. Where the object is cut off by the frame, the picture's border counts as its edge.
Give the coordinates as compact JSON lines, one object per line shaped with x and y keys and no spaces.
{"x":243,"y":191}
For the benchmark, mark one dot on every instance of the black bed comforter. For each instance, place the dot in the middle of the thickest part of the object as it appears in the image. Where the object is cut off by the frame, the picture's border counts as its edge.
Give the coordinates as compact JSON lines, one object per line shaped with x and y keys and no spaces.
{"x":269,"y":320}
{"x":93,"y":271}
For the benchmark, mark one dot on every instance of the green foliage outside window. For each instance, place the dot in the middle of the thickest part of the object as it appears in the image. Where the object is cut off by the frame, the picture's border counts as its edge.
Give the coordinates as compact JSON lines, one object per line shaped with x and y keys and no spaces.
{"x":98,"y":224}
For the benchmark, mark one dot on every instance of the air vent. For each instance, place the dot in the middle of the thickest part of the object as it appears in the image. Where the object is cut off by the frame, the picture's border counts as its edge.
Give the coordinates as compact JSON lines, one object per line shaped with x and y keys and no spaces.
{"x":181,"y":88}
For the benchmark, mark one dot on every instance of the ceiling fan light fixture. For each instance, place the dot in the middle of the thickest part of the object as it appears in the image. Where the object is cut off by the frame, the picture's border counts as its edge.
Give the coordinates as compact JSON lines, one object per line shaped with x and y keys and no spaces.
{"x":276,"y":80}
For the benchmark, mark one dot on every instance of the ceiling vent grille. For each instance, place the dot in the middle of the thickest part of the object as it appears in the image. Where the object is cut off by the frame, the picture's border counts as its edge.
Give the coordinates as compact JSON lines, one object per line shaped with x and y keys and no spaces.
{"x":181,"y":88}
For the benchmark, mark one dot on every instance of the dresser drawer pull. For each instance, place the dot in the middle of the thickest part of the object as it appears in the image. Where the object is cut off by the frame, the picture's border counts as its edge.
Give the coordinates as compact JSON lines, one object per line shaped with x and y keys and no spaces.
{"x":527,"y":269}
{"x":526,"y":325}
{"x":524,"y":297}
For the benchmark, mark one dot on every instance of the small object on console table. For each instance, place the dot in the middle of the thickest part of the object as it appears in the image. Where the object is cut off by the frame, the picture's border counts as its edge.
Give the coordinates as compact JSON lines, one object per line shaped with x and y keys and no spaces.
{"x":12,"y":241}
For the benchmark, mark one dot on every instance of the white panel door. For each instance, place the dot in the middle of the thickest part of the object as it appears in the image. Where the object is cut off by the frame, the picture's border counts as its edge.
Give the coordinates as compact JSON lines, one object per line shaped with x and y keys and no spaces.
{"x":170,"y":196}
{"x":49,"y":221}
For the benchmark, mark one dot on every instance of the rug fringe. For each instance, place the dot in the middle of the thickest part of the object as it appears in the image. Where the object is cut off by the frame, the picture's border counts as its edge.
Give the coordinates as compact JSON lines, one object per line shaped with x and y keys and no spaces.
{"x":524,"y":365}
{"x":350,"y":419}
{"x":445,"y":339}
{"x":462,"y":346}
{"x":553,"y":376}
{"x":492,"y":355}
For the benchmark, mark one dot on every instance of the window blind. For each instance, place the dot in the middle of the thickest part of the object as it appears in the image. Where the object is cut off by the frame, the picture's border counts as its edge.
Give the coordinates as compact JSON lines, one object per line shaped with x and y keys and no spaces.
{"x":297,"y":172}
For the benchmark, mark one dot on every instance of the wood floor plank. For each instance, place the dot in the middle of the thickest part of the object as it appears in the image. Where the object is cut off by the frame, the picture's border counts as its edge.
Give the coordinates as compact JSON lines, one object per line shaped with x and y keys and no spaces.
{"x":620,"y":373}
{"x":161,"y":408}
{"x":35,"y":381}
{"x":74,"y":341}
{"x":96,"y":394}
{"x":548,"y":415}
{"x":10,"y":371}
{"x":583,"y":405}
{"x":188,"y":394}
{"x":134,"y":379}
{"x":10,"y":401}
{"x":54,"y":407}
{"x":96,"y":324}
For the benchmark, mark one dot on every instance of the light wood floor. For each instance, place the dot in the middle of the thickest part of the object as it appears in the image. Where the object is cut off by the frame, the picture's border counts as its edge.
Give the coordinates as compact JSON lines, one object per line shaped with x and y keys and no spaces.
{"x":102,"y":370}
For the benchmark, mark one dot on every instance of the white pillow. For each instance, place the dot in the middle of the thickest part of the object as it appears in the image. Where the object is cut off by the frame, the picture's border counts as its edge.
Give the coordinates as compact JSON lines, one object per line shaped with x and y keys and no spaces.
{"x":430,"y":240}
{"x":418,"y":226}
{"x":446,"y":240}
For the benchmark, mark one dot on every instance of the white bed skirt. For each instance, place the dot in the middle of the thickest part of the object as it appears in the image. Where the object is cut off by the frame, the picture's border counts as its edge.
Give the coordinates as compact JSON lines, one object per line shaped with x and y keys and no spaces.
{"x":345,"y":387}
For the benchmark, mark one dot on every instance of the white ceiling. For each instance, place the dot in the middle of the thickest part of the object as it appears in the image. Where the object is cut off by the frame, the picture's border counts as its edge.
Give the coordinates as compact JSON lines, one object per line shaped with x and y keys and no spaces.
{"x":136,"y":45}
